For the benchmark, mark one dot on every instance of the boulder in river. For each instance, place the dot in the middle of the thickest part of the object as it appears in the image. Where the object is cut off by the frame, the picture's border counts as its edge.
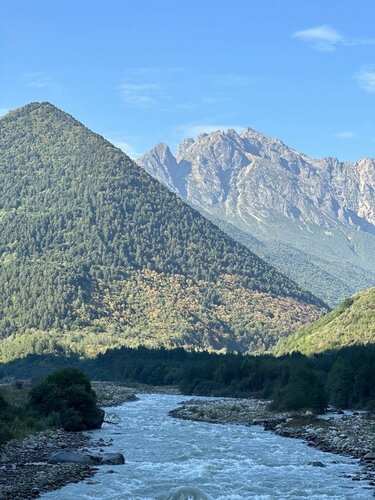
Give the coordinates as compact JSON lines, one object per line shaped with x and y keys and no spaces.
{"x":111,"y":459}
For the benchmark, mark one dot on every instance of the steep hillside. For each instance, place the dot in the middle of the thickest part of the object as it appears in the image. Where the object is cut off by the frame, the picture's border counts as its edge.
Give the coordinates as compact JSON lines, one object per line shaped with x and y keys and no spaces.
{"x":313,"y":219}
{"x":95,"y":253}
{"x":351,"y":323}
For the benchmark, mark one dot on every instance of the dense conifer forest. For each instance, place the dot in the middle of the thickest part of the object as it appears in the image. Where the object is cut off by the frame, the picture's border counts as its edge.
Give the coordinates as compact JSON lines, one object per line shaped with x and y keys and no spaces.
{"x":94,"y":253}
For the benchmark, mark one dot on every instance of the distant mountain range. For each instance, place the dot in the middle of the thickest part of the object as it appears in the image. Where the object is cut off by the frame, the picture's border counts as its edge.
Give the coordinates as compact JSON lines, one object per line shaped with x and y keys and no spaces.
{"x":351,"y":323}
{"x":312,"y":219}
{"x":95,"y":253}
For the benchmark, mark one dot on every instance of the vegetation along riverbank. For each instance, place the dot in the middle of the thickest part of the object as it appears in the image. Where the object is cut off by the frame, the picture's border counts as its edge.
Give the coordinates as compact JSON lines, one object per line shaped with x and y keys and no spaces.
{"x":42,"y":447}
{"x":295,"y":384}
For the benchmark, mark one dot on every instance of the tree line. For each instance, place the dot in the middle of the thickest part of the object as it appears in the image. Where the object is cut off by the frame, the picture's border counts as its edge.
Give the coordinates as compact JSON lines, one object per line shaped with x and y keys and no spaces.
{"x":343,"y":378}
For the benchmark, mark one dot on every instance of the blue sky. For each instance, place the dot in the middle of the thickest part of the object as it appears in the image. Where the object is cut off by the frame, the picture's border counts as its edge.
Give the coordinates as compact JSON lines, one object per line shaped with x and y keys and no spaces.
{"x":154,"y":71}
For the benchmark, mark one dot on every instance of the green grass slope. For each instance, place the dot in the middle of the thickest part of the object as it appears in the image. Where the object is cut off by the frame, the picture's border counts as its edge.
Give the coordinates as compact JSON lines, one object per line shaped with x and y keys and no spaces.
{"x":351,"y":323}
{"x":95,"y":253}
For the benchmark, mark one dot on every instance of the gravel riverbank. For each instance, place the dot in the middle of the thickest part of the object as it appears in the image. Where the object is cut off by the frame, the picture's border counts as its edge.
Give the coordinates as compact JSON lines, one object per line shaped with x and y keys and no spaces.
{"x":24,"y":469}
{"x":25,"y":472}
{"x":347,"y":434}
{"x":112,"y":394}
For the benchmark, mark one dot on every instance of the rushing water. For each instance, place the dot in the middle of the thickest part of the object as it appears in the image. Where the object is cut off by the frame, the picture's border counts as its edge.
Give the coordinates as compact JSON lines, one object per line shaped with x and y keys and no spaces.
{"x":225,"y":461}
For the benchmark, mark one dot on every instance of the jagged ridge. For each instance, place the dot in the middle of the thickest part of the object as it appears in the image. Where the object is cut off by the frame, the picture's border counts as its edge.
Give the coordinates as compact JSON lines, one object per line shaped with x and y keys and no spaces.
{"x":313,"y":219}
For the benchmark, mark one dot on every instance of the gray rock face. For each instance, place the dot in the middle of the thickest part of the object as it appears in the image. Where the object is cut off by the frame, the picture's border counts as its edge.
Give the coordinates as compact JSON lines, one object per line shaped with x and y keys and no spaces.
{"x":259,"y":177}
{"x":289,"y":202}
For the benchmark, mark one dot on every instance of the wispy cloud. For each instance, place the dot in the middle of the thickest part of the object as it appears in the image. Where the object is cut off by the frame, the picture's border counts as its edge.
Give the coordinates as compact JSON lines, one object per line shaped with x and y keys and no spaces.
{"x":38,"y":80}
{"x":324,"y":38}
{"x":366,"y":79}
{"x":171,"y":89}
{"x":140,"y":95}
{"x":346,"y":134}
{"x":145,"y":87}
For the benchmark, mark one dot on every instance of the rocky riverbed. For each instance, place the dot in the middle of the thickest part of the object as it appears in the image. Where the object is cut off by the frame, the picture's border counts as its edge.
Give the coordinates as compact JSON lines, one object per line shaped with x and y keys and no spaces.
{"x":113,"y":394}
{"x":27,"y":467}
{"x":25,"y":472}
{"x":350,"y":434}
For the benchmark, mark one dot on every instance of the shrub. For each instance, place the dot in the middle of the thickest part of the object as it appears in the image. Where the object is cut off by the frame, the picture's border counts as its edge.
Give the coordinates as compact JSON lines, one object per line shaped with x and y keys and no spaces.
{"x":68,"y":394}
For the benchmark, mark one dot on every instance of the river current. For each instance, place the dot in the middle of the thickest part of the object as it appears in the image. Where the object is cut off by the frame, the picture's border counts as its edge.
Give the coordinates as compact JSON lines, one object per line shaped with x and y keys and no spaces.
{"x":229,"y":462}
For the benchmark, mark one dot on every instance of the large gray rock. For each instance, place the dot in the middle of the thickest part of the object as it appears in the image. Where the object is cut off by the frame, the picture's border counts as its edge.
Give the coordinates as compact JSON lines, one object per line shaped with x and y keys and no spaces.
{"x":317,"y":464}
{"x":111,"y":459}
{"x":71,"y":456}
{"x":87,"y":458}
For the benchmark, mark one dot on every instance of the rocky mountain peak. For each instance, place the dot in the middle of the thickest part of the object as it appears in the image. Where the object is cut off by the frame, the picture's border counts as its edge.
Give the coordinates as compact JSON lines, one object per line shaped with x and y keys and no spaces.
{"x":267,"y":190}
{"x":254,"y":175}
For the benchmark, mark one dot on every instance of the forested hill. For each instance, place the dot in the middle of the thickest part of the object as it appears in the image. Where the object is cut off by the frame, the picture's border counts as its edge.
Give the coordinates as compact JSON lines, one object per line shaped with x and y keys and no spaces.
{"x":95,"y":253}
{"x":351,"y":323}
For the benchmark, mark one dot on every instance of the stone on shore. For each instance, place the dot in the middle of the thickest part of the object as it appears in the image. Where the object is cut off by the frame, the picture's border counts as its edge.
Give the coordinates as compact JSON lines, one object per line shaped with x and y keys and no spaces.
{"x":86,"y":458}
{"x":71,"y":457}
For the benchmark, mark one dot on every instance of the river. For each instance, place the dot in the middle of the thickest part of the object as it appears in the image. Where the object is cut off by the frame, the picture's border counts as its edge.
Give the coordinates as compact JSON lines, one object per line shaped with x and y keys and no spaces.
{"x":229,"y":462}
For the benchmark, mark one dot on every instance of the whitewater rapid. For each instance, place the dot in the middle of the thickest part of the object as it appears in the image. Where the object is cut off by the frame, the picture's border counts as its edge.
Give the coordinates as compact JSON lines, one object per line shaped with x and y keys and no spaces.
{"x":230,"y":462}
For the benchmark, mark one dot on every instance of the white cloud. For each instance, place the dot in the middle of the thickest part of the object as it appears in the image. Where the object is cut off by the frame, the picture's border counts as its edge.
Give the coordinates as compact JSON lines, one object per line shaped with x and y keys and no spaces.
{"x":37,"y":79}
{"x":347,"y":134}
{"x":326,"y":39}
{"x":366,"y":79}
{"x":323,"y":38}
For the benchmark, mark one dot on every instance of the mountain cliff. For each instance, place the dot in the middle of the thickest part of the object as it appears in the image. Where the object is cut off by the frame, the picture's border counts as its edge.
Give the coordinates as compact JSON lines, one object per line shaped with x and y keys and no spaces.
{"x":95,"y":253}
{"x":313,"y":219}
